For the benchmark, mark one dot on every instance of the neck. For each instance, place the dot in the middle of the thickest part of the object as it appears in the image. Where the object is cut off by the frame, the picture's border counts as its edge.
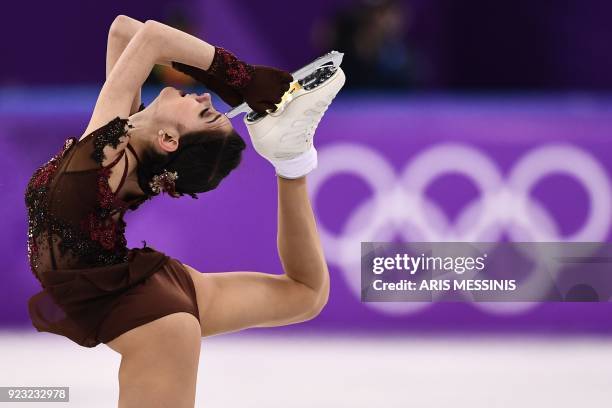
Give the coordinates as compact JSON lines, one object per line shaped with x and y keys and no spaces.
{"x":140,"y":132}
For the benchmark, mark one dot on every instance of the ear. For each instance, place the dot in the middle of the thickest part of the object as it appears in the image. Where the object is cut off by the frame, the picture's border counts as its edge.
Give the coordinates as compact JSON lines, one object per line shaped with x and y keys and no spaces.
{"x":167,"y":142}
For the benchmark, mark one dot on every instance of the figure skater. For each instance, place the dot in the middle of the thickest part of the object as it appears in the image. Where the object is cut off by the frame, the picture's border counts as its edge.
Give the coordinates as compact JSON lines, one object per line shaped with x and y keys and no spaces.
{"x":142,"y":303}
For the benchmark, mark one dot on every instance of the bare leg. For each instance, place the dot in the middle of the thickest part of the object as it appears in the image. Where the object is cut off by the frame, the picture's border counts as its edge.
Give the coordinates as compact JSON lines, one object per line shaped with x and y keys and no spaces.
{"x":232,"y":301}
{"x":298,"y":241}
{"x":159,"y":363}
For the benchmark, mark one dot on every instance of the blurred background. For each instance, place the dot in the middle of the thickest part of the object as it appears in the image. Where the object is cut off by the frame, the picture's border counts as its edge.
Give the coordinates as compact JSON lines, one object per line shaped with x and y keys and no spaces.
{"x":453,"y":102}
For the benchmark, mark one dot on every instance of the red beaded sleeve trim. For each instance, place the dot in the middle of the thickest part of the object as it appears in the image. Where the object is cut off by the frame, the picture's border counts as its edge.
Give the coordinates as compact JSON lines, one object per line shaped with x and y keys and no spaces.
{"x":230,"y":69}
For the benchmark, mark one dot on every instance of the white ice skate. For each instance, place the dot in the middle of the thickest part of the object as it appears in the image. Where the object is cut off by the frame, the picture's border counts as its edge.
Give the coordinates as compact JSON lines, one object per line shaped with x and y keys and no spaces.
{"x":285,"y":136}
{"x":331,"y":59}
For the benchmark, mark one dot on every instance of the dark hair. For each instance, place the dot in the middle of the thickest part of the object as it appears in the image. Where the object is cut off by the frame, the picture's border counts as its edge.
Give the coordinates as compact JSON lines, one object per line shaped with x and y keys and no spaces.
{"x":201,"y":161}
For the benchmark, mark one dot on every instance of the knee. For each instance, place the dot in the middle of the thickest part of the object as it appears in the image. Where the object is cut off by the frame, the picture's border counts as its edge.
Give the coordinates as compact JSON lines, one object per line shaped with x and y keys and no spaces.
{"x":318,"y":302}
{"x":170,"y":347}
{"x":179,"y":330}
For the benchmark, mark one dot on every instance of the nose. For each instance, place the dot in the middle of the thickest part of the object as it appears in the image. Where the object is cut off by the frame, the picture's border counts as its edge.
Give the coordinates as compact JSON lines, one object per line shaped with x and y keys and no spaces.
{"x":205,"y":97}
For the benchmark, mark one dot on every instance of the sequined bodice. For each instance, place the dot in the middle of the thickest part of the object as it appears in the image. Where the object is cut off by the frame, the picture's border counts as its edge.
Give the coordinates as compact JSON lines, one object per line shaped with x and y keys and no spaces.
{"x":75,"y":220}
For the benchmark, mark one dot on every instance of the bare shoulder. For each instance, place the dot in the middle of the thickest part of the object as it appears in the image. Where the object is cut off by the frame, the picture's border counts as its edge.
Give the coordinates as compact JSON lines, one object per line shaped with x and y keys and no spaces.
{"x":110,"y":105}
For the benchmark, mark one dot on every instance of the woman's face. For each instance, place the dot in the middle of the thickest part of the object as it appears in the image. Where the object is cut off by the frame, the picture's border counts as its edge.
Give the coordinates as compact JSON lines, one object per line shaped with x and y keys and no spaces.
{"x":188,"y":113}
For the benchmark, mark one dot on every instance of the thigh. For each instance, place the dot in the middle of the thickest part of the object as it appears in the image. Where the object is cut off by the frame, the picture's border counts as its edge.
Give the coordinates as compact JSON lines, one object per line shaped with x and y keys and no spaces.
{"x":232,"y":301}
{"x":159,"y":362}
{"x":165,"y":333}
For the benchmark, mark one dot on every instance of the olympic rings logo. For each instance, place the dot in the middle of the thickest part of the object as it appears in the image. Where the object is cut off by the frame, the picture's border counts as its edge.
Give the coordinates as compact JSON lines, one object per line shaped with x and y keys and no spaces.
{"x":400,"y":207}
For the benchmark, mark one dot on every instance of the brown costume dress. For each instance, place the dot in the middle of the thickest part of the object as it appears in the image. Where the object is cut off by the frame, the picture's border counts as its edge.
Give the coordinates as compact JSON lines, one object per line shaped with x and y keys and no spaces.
{"x":94,"y":287}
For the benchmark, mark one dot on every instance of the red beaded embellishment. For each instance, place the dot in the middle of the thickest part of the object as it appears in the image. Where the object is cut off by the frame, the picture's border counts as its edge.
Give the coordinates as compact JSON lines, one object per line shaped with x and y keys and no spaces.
{"x":100,"y":239}
{"x":35,"y":197}
{"x":230,"y":69}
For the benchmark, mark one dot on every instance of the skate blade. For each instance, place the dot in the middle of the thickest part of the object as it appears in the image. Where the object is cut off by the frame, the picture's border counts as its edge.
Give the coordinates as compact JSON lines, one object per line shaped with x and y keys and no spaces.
{"x":307,"y":75}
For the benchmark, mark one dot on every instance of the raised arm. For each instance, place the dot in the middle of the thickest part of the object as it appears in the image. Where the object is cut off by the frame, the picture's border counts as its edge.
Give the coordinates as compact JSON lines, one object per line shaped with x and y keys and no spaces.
{"x":152,"y":43}
{"x":121,"y":31}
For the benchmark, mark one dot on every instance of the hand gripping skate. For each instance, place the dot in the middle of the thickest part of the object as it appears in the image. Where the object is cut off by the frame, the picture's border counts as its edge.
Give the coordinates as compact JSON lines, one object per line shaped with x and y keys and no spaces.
{"x":285,"y":136}
{"x":304,"y":75}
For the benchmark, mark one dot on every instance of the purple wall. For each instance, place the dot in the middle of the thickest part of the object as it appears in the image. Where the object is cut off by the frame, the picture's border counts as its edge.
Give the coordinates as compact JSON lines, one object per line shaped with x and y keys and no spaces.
{"x":64,"y":42}
{"x":505,"y":44}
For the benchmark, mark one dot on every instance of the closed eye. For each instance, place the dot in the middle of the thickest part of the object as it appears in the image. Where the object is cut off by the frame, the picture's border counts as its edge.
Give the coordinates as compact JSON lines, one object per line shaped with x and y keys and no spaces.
{"x":215,"y":118}
{"x":203,"y":113}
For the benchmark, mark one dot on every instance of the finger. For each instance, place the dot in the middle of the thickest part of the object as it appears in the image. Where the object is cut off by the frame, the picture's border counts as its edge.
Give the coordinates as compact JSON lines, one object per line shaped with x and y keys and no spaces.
{"x":268,"y":105}
{"x":277,"y":96}
{"x":262,"y":107}
{"x":257,"y":107}
{"x":285,"y":77}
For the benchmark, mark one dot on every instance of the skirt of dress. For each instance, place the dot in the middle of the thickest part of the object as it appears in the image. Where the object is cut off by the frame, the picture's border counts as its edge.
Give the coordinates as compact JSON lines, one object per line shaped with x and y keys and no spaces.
{"x":96,"y":305}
